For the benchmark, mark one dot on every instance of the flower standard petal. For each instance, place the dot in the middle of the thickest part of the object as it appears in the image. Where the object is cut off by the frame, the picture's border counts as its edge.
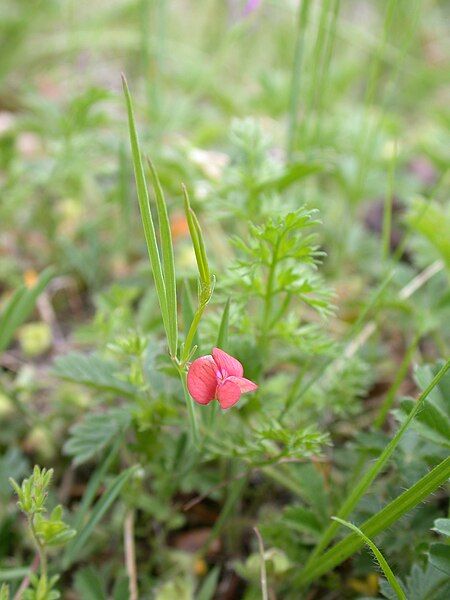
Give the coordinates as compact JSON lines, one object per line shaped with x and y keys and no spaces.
{"x":245,"y":385}
{"x":228,"y":393}
{"x":202,"y":380}
{"x":227,"y":364}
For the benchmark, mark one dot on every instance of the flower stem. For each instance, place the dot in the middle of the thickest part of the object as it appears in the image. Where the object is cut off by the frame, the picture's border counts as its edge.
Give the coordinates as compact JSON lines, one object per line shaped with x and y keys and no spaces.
{"x":266,"y":313}
{"x":39,"y":547}
{"x":193,"y":427}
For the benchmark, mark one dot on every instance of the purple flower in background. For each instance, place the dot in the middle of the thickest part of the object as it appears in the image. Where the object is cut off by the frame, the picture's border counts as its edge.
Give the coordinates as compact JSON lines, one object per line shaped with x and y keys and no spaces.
{"x":251,"y":6}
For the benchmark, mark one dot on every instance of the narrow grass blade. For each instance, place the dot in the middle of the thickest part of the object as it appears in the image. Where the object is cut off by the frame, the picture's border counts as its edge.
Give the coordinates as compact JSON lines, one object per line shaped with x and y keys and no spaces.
{"x":208,"y":588}
{"x":168,"y":261}
{"x":146,"y":215}
{"x":365,"y":481}
{"x":20,"y":307}
{"x":197,"y":241}
{"x":263,"y":575}
{"x":234,"y":492}
{"x":94,"y":484}
{"x":14,"y":573}
{"x":188,"y":312}
{"x":303,"y":12}
{"x":100,"y":509}
{"x":222,"y":337}
{"x":378,"y":523}
{"x":378,"y":555}
{"x":399,"y":377}
{"x":193,"y":427}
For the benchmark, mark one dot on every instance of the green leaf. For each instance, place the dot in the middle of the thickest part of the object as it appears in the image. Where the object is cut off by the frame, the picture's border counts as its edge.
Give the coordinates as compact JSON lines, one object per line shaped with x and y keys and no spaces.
{"x":208,"y":587}
{"x":90,"y":437}
{"x":302,"y":519}
{"x":433,"y":421}
{"x":168,"y":262}
{"x":12,"y":464}
{"x":14,"y":573}
{"x":292,"y":174}
{"x":121,"y":589}
{"x":92,"y":371}
{"x":146,"y":215}
{"x":198,"y":243}
{"x":52,"y":531}
{"x":378,"y":555}
{"x":20,"y":306}
{"x":440,"y":557}
{"x":101,"y":507}
{"x":222,"y":336}
{"x":429,"y":583}
{"x":433,"y":222}
{"x":377,"y":523}
{"x":89,"y":584}
{"x":95,"y":481}
{"x":442,"y":526}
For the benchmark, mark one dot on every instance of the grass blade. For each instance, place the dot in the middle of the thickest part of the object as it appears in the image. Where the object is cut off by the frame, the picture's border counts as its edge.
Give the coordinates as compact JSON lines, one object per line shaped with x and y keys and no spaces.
{"x":222,"y":337}
{"x":378,"y":523}
{"x":101,"y":507}
{"x":168,"y":261}
{"x":263,"y":576}
{"x":197,"y":241}
{"x":378,"y":555}
{"x":20,"y":307}
{"x":365,"y":481}
{"x":94,"y":484}
{"x":208,"y":588}
{"x":302,"y":20}
{"x":146,"y":215}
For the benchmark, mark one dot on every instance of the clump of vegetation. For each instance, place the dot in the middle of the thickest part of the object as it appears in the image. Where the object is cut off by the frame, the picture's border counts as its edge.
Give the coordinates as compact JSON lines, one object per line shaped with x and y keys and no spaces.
{"x":223,"y":299}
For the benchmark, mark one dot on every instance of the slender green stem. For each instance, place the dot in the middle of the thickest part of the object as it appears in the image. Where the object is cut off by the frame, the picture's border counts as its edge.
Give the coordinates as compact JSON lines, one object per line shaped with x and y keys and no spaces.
{"x":191,"y":334}
{"x":388,"y":201}
{"x":361,"y":487}
{"x":296,"y":392}
{"x":401,"y":373}
{"x":296,"y":72}
{"x":386,"y":406}
{"x":379,"y":556}
{"x":193,"y":427}
{"x":263,"y":576}
{"x":268,"y":297}
{"x":39,"y":547}
{"x":328,"y":53}
{"x":318,"y":51}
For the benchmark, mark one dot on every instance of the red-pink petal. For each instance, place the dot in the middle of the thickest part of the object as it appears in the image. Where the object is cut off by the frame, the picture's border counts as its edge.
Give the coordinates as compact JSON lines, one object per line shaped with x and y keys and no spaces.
{"x":227,"y":364}
{"x":245,"y":385}
{"x":228,"y":393}
{"x":201,"y":379}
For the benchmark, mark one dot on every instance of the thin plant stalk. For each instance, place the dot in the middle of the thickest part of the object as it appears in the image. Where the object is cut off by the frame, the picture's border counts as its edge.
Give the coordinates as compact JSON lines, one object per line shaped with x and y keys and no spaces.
{"x":400,"y":376}
{"x":388,"y":203}
{"x":379,"y":556}
{"x":263,"y":575}
{"x":302,"y":20}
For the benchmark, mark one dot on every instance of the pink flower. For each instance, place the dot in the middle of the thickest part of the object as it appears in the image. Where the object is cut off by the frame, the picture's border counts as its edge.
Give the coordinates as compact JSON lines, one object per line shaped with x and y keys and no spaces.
{"x":251,"y":6}
{"x":218,"y":376}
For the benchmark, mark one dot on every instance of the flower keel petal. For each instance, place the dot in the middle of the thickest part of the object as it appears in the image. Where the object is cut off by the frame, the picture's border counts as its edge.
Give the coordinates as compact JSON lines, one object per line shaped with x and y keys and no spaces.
{"x":228,"y":393}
